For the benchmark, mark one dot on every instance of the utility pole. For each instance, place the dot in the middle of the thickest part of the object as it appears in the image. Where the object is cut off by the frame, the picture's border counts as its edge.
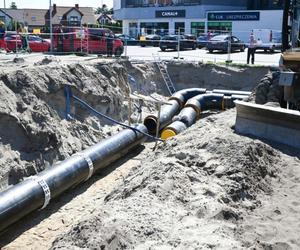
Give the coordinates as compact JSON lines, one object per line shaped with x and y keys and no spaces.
{"x":50,"y":21}
{"x":4,"y":5}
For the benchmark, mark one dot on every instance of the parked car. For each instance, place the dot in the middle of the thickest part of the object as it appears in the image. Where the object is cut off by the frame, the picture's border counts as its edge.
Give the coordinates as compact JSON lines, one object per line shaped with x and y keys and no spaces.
{"x":126,"y":39}
{"x":150,"y":40}
{"x":91,"y":40}
{"x":190,"y":37}
{"x":171,"y":42}
{"x":13,"y":40}
{"x":2,"y":33}
{"x":38,"y":44}
{"x":203,"y":39}
{"x":220,"y":43}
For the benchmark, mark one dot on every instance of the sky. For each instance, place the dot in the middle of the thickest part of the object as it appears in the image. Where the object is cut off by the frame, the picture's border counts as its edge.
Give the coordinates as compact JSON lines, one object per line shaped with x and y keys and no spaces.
{"x":44,"y":4}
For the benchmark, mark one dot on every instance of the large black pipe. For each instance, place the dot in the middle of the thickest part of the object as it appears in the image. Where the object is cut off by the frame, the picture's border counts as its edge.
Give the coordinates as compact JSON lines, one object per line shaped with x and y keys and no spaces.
{"x":175,"y":103}
{"x":193,"y":107}
{"x":231,"y":92}
{"x":35,"y":193}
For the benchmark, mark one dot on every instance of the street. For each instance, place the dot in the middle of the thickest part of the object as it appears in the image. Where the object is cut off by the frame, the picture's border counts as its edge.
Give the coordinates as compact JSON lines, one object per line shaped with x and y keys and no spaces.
{"x":146,"y":53}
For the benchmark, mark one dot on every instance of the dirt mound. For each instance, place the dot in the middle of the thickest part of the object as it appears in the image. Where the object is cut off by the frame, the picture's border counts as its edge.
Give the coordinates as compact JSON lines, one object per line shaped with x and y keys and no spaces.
{"x":191,"y":193}
{"x":212,"y":76}
{"x":190,"y":75}
{"x":268,"y":90}
{"x":33,"y":130}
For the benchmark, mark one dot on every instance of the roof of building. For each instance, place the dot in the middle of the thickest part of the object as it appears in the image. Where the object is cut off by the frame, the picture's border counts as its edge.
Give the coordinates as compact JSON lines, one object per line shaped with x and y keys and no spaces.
{"x":33,"y":17}
{"x":105,"y":16}
{"x":88,"y":16}
{"x":2,"y":10}
{"x":37,"y":17}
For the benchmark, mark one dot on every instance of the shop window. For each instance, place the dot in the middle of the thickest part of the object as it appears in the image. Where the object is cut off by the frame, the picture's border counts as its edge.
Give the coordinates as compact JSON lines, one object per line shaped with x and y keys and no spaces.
{"x":159,"y":3}
{"x":154,"y":28}
{"x":197,"y":28}
{"x":265,"y":4}
{"x":133,"y":30}
{"x":179,"y":28}
{"x":219,"y":27}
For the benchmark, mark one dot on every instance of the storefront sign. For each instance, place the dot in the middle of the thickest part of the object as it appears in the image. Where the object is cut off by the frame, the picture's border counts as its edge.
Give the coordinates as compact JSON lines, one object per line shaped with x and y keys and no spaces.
{"x":170,"y":13}
{"x":233,"y":16}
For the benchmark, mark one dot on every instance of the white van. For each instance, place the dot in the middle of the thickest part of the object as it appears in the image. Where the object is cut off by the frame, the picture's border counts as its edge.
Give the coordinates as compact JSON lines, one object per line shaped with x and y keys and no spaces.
{"x":268,"y":40}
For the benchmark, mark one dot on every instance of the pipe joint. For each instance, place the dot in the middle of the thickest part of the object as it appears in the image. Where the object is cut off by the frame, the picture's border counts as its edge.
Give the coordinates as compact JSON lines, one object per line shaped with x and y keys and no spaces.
{"x":179,"y":99}
{"x":46,"y":190}
{"x":89,"y":162}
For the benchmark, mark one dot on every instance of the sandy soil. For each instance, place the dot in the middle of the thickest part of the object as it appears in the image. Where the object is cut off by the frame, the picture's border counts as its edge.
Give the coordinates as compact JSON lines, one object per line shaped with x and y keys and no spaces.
{"x":33,"y":130}
{"x":208,"y":188}
{"x":39,"y":230}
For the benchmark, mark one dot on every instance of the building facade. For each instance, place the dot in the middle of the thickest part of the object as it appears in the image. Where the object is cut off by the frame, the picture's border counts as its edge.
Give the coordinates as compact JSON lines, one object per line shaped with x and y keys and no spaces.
{"x":141,"y":17}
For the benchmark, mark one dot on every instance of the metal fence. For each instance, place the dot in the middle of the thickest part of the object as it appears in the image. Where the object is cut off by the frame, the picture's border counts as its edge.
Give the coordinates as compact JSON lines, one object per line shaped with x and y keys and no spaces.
{"x":213,"y":46}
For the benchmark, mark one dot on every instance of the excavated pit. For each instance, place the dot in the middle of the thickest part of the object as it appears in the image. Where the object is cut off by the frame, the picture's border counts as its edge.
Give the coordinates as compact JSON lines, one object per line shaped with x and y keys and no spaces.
{"x":197,"y":191}
{"x":33,"y":131}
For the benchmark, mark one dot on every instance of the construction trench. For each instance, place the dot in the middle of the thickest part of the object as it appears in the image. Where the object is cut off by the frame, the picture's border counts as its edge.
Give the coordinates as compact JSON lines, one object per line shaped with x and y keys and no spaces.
{"x":206,"y":187}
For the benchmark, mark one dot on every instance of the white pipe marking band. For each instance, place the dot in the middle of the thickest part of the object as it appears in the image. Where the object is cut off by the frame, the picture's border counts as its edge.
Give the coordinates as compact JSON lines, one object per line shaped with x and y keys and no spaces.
{"x":90,"y":164}
{"x":43,"y":184}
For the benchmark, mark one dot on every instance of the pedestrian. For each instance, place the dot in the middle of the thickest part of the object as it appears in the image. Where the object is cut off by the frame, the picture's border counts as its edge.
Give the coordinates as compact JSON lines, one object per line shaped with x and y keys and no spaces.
{"x":251,"y":49}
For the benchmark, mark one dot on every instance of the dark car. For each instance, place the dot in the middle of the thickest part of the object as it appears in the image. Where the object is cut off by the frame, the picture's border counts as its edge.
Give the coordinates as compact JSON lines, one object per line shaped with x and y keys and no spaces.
{"x":150,"y":40}
{"x":203,"y":39}
{"x":126,"y":39}
{"x":220,"y":43}
{"x":171,"y":42}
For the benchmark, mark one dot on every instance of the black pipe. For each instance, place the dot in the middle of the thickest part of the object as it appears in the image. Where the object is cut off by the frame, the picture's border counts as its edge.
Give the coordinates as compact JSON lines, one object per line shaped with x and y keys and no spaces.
{"x":193,"y":108}
{"x":185,"y":94}
{"x":34,"y":193}
{"x":231,"y":92}
{"x":176,"y":102}
{"x":186,"y":116}
{"x":174,"y":129}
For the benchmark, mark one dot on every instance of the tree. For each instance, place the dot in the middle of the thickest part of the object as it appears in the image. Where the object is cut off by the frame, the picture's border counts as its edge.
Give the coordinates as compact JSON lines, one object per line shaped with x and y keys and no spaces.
{"x":110,"y":11}
{"x":13,"y":5}
{"x":102,"y":10}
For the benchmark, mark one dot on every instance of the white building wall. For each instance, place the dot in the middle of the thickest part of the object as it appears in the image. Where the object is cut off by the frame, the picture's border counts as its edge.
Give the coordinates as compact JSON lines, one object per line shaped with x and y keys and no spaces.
{"x":269,"y":19}
{"x":117,"y":4}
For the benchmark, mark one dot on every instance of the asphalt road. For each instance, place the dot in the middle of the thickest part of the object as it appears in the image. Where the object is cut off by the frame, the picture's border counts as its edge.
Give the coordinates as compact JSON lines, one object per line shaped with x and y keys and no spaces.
{"x":146,"y":53}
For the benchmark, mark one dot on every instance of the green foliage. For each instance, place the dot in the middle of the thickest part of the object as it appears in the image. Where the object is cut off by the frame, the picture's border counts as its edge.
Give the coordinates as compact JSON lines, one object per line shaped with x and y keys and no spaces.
{"x":13,"y":5}
{"x":14,"y":25}
{"x":104,"y":10}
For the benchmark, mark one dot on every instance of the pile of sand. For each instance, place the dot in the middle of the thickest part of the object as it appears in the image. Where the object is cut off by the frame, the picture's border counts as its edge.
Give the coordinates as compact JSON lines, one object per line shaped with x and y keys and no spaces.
{"x":195,"y":192}
{"x":33,"y":130}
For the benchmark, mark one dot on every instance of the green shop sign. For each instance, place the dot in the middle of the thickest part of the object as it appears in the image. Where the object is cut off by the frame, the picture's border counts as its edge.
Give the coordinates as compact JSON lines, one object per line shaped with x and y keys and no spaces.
{"x":233,"y":16}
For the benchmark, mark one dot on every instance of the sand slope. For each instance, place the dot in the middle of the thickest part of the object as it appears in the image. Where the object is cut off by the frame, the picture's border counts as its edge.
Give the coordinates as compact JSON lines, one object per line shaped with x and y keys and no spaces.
{"x":208,"y":188}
